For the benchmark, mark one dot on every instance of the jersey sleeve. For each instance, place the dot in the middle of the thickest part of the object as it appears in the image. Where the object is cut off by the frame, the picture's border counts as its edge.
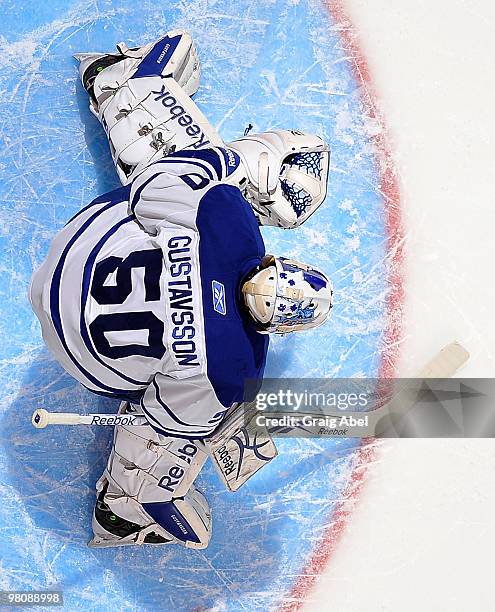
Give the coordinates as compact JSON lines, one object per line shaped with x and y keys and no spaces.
{"x":183,"y":402}
{"x":184,"y":408}
{"x":170,"y":191}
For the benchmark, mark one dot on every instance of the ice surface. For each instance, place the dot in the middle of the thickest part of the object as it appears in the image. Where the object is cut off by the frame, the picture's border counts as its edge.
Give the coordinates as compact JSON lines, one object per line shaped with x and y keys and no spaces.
{"x":423,"y":534}
{"x":273,"y":64}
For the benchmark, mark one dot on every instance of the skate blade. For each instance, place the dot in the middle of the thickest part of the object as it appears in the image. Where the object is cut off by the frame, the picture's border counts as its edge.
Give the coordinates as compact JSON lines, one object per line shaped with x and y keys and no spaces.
{"x":80,"y":57}
{"x":102,"y":543}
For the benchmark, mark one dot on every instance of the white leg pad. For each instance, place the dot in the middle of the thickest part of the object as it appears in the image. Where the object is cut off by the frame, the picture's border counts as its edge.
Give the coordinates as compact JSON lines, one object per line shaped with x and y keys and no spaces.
{"x":146,"y":467}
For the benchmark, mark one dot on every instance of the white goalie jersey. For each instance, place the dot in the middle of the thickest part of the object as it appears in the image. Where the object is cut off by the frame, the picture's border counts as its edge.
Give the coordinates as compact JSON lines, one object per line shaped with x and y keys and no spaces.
{"x":139,"y":296}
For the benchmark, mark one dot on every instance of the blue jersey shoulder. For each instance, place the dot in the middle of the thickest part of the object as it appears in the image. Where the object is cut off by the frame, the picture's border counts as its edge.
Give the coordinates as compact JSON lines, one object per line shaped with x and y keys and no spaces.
{"x":230,"y":247}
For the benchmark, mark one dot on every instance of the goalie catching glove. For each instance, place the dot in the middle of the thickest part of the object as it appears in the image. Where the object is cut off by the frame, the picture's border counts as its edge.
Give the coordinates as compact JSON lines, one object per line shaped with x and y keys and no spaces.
{"x":287,"y":175}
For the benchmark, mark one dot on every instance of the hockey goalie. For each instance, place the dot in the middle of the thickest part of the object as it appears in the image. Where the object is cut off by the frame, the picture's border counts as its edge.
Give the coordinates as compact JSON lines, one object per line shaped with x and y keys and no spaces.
{"x":160,"y":293}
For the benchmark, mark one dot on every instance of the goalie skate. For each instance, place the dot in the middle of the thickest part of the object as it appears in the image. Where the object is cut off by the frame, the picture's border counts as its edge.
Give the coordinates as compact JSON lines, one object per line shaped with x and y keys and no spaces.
{"x":111,"y":530}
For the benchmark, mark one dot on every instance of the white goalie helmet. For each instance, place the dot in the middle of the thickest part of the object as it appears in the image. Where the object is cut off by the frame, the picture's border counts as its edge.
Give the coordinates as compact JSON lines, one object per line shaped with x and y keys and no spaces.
{"x":285,"y":296}
{"x":287,"y":174}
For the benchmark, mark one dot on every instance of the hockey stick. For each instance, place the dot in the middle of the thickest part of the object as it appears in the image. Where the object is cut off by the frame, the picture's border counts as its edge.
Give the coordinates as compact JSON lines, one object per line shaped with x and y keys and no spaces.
{"x":388,"y":418}
{"x":41,"y":418}
{"x":444,"y":365}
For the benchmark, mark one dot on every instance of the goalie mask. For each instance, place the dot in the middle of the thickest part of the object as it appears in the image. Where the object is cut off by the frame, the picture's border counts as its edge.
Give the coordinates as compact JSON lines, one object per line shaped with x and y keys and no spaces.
{"x":287,"y":173}
{"x":285,"y":296}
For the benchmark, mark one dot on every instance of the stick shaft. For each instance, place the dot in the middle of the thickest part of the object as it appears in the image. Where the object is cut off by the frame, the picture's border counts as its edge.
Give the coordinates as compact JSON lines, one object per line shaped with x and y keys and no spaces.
{"x":41,"y":418}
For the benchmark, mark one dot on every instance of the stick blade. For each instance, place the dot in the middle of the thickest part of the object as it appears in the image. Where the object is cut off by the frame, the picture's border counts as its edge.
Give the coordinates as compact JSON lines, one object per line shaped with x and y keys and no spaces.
{"x":446,"y":363}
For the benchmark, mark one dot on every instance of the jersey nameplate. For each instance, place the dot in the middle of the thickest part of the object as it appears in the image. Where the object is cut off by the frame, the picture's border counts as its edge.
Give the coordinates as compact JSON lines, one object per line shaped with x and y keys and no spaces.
{"x":181,"y":300}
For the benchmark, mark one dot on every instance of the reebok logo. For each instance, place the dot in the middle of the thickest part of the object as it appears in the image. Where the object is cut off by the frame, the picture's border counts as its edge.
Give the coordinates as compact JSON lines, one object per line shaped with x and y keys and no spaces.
{"x":225,"y":457}
{"x":178,"y":113}
{"x":172,"y":479}
{"x":118,"y":419}
{"x":231,"y":157}
{"x":219,"y":304}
